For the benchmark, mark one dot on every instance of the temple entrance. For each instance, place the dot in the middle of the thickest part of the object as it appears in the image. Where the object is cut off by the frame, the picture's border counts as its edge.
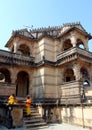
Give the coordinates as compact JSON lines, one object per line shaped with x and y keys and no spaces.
{"x":22,"y":84}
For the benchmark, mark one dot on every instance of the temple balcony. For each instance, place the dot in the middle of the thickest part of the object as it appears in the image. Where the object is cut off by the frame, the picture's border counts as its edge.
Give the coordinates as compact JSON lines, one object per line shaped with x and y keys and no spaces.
{"x":70,"y":92}
{"x":17,"y":59}
{"x":73,"y":54}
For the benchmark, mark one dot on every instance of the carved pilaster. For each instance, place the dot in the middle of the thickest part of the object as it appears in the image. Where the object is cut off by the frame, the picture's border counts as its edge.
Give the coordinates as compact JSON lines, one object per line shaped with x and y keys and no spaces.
{"x":86,"y":44}
{"x":13,"y":76}
{"x":76,"y":68}
{"x":15,"y":45}
{"x":14,"y":79}
{"x":73,"y":40}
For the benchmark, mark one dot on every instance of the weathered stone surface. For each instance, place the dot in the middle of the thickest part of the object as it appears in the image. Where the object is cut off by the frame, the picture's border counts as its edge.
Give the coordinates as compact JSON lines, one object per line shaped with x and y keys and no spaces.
{"x":17,"y":116}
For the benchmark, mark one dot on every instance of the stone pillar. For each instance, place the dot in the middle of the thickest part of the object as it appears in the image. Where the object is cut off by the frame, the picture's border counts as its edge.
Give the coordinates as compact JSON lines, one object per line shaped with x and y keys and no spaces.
{"x":73,"y":40}
{"x":17,"y":116}
{"x":13,"y":77}
{"x":13,"y":81}
{"x":15,"y":45}
{"x":86,"y":44}
{"x":76,"y":68}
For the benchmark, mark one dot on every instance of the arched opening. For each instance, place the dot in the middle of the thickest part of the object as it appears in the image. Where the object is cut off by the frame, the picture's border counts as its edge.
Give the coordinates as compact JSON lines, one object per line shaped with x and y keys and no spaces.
{"x":80,"y":44}
{"x":22,"y":84}
{"x":67,"y":44}
{"x":2,"y":77}
{"x":69,"y":75}
{"x":24,"y":49}
{"x":5,"y":75}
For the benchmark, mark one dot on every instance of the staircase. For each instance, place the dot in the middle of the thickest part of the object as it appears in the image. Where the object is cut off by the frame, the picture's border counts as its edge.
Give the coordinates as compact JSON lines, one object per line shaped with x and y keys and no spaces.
{"x":34,"y":121}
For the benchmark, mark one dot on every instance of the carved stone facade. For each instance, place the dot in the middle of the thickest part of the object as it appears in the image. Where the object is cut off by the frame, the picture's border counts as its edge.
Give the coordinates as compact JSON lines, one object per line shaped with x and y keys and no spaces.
{"x":48,"y":63}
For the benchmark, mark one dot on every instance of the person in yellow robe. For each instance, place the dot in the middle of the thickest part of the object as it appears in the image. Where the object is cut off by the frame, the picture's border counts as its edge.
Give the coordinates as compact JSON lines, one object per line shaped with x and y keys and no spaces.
{"x":28,"y":105}
{"x":11,"y":99}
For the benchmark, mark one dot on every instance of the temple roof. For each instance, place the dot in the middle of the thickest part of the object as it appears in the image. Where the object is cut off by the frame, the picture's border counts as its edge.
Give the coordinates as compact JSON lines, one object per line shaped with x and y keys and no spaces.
{"x":53,"y":32}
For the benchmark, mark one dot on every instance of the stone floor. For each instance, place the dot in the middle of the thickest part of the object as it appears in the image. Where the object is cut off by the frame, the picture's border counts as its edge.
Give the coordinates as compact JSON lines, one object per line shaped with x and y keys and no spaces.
{"x":52,"y":127}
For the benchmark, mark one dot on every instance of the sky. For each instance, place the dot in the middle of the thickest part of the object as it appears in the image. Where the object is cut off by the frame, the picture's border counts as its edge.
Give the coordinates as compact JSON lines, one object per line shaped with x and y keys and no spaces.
{"x":31,"y":14}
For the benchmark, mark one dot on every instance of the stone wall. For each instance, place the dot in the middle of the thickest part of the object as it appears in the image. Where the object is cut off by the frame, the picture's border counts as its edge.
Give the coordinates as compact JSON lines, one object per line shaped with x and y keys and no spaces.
{"x":80,"y":115}
{"x":75,"y":115}
{"x":45,"y":47}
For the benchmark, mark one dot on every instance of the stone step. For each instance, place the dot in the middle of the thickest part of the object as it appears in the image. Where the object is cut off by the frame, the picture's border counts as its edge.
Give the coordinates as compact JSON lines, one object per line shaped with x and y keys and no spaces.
{"x":35,"y":124}
{"x":33,"y":120}
{"x":32,"y":117}
{"x":33,"y":110}
{"x":32,"y":114}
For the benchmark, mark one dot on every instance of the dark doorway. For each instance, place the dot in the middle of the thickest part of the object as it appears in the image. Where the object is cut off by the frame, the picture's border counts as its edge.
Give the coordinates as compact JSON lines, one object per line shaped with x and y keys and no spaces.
{"x":22,"y":86}
{"x":68,"y":79}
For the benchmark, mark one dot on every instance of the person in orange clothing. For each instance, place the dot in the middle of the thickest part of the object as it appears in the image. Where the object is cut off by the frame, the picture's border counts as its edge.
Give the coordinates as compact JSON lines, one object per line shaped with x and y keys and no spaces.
{"x":28,"y":105}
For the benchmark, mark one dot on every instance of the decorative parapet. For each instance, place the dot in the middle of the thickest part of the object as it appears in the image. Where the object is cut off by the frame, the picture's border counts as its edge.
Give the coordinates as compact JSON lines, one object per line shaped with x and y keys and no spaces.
{"x":7,"y":89}
{"x":64,"y":57}
{"x":70,"y":92}
{"x":72,"y":54}
{"x":13,"y":58}
{"x":49,"y":31}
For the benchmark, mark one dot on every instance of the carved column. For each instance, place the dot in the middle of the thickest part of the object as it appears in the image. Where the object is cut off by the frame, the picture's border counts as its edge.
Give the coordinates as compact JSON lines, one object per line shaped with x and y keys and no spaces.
{"x":73,"y":40}
{"x":13,"y":82}
{"x":86,"y":44}
{"x":13,"y":79}
{"x":15,"y":45}
{"x":13,"y":76}
{"x":76,"y":68}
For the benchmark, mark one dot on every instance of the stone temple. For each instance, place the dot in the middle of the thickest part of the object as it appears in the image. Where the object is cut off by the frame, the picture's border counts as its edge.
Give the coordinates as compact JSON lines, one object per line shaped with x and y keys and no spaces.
{"x":54,"y":66}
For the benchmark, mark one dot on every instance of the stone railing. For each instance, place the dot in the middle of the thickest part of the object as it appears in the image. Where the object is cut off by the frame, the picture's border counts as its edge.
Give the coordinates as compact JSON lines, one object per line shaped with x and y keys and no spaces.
{"x":7,"y":89}
{"x":13,"y":58}
{"x":70,"y":92}
{"x":74,"y":53}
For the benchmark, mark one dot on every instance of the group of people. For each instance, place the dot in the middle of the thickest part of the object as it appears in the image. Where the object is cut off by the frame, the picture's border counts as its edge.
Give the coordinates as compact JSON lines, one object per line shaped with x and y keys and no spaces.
{"x":12,"y":100}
